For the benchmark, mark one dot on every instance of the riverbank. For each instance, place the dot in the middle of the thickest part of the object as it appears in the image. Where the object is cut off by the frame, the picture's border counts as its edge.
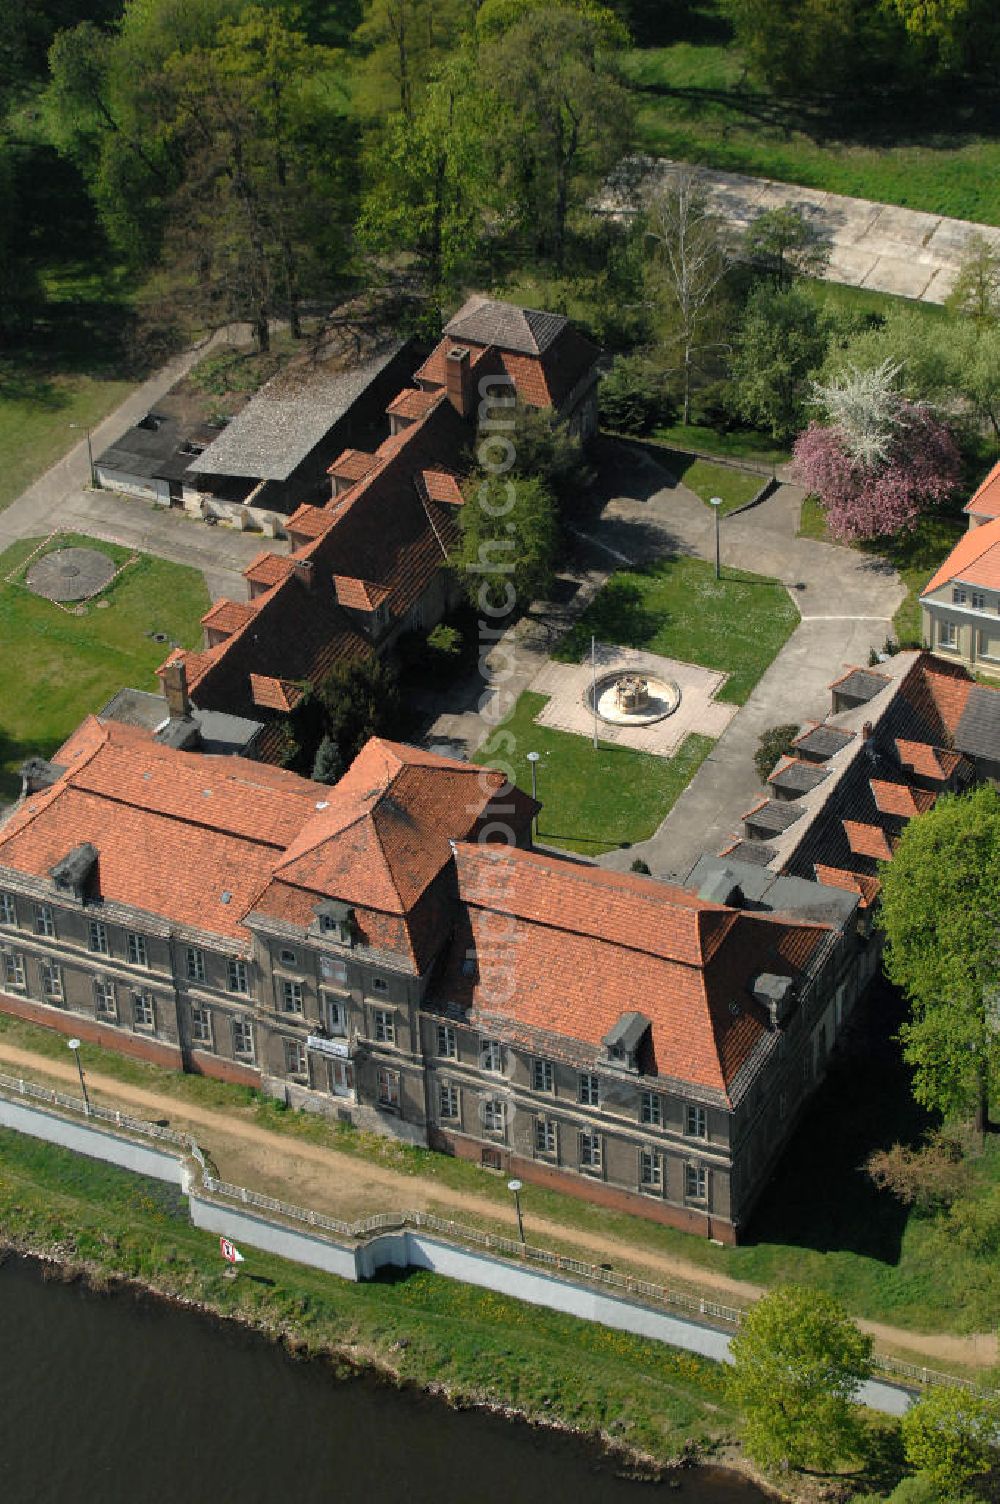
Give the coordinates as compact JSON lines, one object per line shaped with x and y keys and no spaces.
{"x":652,"y":1408}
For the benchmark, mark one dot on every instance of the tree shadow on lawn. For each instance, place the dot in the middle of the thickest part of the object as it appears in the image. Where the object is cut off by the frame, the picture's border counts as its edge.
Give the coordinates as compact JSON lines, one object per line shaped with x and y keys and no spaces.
{"x":14,"y":752}
{"x":819,"y":1198}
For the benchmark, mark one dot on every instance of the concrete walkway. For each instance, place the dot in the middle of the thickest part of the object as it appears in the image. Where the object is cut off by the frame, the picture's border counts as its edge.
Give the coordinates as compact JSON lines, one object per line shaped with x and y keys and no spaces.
{"x":61,"y":498}
{"x":879,"y":246}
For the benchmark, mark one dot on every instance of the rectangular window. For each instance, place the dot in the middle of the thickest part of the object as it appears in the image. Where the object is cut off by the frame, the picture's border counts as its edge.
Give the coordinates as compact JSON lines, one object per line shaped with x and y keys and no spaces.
{"x":387,"y":1086}
{"x":136,"y":948}
{"x":650,"y":1170}
{"x":236,"y":976}
{"x":291,"y":996}
{"x":105,"y":1005}
{"x":8,"y":913}
{"x":958,"y":595}
{"x":52,"y":983}
{"x":13,"y":969}
{"x":97,"y":937}
{"x":447,"y":1100}
{"x":201,"y":1026}
{"x":335,"y":1013}
{"x":491,"y":1055}
{"x":195,"y":964}
{"x":143,"y":1014}
{"x":385,"y":1026}
{"x":590,"y":1150}
{"x":695,"y":1122}
{"x":978,"y":601}
{"x":590,"y":1090}
{"x":295,"y":1057}
{"x":243,"y":1038}
{"x":545,"y":1136}
{"x":379,"y":984}
{"x":542,"y":1076}
{"x":447,"y":1045}
{"x":494,"y":1115}
{"x":651,"y":1109}
{"x":695,"y":1183}
{"x":289,"y":958}
{"x":333,"y":971}
{"x":947,"y":634}
{"x":44,"y":922}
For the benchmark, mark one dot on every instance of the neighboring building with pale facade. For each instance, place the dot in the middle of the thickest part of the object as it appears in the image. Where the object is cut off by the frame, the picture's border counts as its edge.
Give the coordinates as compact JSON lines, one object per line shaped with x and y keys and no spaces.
{"x":961,"y":602}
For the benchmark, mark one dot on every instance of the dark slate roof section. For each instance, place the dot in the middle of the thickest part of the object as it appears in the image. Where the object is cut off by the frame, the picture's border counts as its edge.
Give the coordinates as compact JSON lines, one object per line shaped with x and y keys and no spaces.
{"x":860,"y":685}
{"x":772,"y":893}
{"x":978,"y":731}
{"x":798,"y":777}
{"x":287,"y":418}
{"x":218,"y":734}
{"x":155,"y":448}
{"x":773,"y":815}
{"x":526,"y":331}
{"x":823,"y":741}
{"x":755,"y":852}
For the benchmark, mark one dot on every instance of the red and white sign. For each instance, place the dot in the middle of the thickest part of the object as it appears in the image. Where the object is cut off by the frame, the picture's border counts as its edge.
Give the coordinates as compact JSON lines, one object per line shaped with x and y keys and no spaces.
{"x":230,"y":1252}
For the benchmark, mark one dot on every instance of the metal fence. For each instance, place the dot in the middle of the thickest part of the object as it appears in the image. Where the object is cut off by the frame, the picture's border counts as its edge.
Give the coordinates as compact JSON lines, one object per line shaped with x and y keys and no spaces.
{"x":697,"y":1306}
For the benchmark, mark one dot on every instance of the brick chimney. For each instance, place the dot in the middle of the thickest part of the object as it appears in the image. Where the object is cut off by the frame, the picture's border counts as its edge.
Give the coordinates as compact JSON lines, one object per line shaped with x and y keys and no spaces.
{"x":304,"y":572}
{"x":458,"y":379}
{"x":173,"y":677}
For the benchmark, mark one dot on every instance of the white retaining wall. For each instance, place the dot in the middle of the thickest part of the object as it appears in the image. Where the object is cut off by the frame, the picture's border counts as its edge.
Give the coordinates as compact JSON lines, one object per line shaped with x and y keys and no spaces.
{"x":83,"y":1138}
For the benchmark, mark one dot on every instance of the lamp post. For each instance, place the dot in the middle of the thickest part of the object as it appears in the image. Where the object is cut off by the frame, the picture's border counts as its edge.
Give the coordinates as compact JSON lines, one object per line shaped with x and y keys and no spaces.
{"x":74,"y":1045}
{"x":514,"y":1186}
{"x":716,"y":504}
{"x":533,"y":758}
{"x":90,"y":453}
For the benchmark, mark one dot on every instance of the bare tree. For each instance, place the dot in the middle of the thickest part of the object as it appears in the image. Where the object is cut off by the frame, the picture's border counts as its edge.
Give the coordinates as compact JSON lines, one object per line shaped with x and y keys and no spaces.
{"x":690,"y":261}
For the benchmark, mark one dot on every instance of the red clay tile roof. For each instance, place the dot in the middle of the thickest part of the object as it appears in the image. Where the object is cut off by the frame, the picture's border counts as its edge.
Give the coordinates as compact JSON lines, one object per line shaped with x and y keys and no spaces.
{"x":975,"y":560}
{"x":899,"y":799}
{"x":228,"y":616}
{"x":352,"y":464}
{"x":867,"y":840}
{"x":412,"y":403}
{"x":358,"y":595}
{"x":927,"y":761}
{"x":854,"y":882}
{"x":274,"y":694}
{"x":540,"y":380}
{"x":442,"y":486}
{"x":269,"y":568}
{"x":986,"y":499}
{"x":579,"y":946}
{"x":308,"y":522}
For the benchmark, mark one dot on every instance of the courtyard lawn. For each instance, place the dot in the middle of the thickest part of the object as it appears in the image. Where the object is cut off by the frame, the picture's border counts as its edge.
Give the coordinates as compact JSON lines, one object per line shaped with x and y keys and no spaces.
{"x":728,"y":443}
{"x":734,"y":487}
{"x":56,"y":667}
{"x":41,"y":419}
{"x":592,"y":800}
{"x":677,"y":608}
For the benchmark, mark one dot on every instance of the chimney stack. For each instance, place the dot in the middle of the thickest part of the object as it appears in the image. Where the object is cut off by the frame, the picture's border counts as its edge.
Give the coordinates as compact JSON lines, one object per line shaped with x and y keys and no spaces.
{"x":173,"y":677}
{"x":458,"y":380}
{"x":304,"y":572}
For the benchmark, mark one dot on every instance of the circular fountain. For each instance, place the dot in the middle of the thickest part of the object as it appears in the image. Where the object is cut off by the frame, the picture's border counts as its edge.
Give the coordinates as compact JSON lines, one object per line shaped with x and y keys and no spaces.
{"x":630,"y":699}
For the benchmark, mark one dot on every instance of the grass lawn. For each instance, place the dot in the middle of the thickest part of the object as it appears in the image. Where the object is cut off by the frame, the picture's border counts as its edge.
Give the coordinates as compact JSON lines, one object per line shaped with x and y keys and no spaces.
{"x":735,"y":487}
{"x":41,"y":419}
{"x":694,"y":104}
{"x":678,"y":608}
{"x":479,"y":1346}
{"x":592,"y":801}
{"x":734,"y":443}
{"x":56,"y":667}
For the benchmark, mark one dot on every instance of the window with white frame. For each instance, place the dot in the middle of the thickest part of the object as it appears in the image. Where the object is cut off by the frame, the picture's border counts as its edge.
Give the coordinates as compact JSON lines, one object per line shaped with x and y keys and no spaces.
{"x":978,"y":601}
{"x":243,"y":1038}
{"x":695,"y":1121}
{"x":542,"y":1075}
{"x":385,"y":1026}
{"x":201,"y":1025}
{"x":135,"y":946}
{"x":591,"y":1150}
{"x":237,"y":977}
{"x":333,"y":971}
{"x":288,"y":957}
{"x":947,"y":634}
{"x":295,"y":1057}
{"x":105,"y":1005}
{"x":387,"y":1088}
{"x":494,"y":1115}
{"x":650,"y":1170}
{"x":334,"y":1011}
{"x":988,"y":644}
{"x":8,"y":913}
{"x":695,"y":1183}
{"x":491,"y":1055}
{"x":545,"y":1136}
{"x":13,"y":970}
{"x":45,"y":923}
{"x":447,"y":1100}
{"x":195,"y":962}
{"x":291,"y":996}
{"x":97,"y":937}
{"x":958,"y":595}
{"x":651,"y":1109}
{"x":447,"y":1044}
{"x":143,"y":1012}
{"x":52,"y":982}
{"x":590,"y":1089}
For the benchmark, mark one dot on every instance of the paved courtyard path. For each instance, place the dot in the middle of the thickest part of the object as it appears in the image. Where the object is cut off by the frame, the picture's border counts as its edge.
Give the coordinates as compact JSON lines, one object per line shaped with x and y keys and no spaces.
{"x":880,"y":246}
{"x":350,"y":1186}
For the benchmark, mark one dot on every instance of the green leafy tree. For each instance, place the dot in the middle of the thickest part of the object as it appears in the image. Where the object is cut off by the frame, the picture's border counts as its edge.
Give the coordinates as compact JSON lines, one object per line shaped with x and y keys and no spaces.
{"x":779,"y":347}
{"x":950,"y":1437}
{"x":544,"y":450}
{"x":359,"y":700}
{"x":798,"y":1363}
{"x":976,"y":294}
{"x":633,"y":396}
{"x":507,"y":551}
{"x":772,"y":746}
{"x":785,"y":244}
{"x":939,"y":910}
{"x":328,"y":765}
{"x":404,"y":41}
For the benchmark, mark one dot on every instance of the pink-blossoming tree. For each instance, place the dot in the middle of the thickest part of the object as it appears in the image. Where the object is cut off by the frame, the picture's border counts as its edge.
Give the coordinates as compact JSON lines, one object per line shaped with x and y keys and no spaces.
{"x":884,"y":462}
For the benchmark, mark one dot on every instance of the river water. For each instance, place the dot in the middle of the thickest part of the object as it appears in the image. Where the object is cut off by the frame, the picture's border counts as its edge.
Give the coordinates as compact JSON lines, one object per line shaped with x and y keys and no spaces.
{"x":116,"y":1399}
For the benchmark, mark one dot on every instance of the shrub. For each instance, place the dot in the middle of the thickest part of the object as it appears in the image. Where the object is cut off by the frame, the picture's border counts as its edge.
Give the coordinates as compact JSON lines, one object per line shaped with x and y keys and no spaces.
{"x":632,"y":396}
{"x":929,"y":1178}
{"x":445,"y":640}
{"x":641,"y":867}
{"x":772,"y":746}
{"x":975,"y":1221}
{"x":950,"y":1437}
